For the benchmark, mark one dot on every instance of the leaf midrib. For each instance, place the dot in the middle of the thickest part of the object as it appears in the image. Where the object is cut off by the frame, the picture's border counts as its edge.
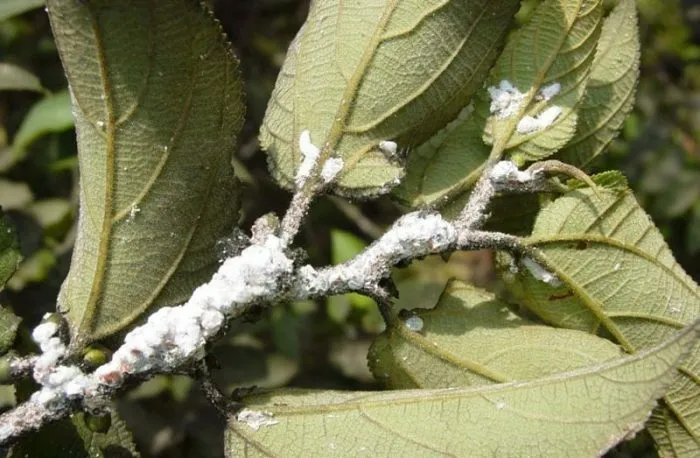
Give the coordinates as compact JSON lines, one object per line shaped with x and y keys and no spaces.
{"x":87,"y":321}
{"x":421,"y":343}
{"x":335,"y":132}
{"x":537,"y":82}
{"x":449,"y":394}
{"x":606,"y":241}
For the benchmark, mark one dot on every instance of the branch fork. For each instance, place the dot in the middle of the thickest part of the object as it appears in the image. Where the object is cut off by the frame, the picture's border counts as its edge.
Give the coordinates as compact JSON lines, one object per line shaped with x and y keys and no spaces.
{"x":174,"y":338}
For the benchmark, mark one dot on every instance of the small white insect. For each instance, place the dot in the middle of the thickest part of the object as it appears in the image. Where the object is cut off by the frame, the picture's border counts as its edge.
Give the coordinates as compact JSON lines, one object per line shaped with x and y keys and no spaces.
{"x":414,"y":323}
{"x":331,"y":169}
{"x":530,"y":124}
{"x":388,"y":147}
{"x":505,"y":99}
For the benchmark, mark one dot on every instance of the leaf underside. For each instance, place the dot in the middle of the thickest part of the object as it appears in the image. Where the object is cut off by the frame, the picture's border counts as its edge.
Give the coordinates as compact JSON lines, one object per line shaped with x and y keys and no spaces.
{"x":470,"y":338}
{"x":611,"y":87}
{"x":557,"y":46}
{"x":157,"y":103}
{"x":415,"y":67}
{"x":553,"y":416}
{"x":619,"y":277}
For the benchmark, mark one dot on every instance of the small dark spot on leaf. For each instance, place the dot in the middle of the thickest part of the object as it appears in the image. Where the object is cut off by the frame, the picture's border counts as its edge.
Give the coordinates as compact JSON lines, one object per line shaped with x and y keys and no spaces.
{"x":560,"y":296}
{"x":581,"y":245}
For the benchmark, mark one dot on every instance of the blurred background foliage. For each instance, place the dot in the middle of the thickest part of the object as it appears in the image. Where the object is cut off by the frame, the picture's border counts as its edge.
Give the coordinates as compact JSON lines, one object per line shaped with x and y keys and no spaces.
{"x":319,"y":344}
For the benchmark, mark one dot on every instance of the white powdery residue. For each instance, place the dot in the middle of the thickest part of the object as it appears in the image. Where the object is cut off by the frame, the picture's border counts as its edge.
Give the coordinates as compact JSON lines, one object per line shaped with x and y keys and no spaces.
{"x":507,"y":171}
{"x":331,"y":169}
{"x":388,"y":147}
{"x":58,"y":383}
{"x":255,"y":419}
{"x":550,"y":91}
{"x":505,"y":99}
{"x":529,"y":125}
{"x":311,"y":282}
{"x":311,"y":154}
{"x":540,"y":273}
{"x":133,"y":211}
{"x":417,"y":233}
{"x":175,"y":335}
{"x":44,"y":331}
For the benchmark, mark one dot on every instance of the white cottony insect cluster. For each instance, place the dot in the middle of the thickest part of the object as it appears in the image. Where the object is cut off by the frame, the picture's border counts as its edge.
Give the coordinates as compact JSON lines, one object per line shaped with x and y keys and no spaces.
{"x":174,"y":335}
{"x":256,"y":419}
{"x":506,"y":101}
{"x":530,"y":124}
{"x":311,"y":154}
{"x":506,"y":172}
{"x":540,"y":273}
{"x":411,"y":234}
{"x":59,"y":383}
{"x":331,"y":169}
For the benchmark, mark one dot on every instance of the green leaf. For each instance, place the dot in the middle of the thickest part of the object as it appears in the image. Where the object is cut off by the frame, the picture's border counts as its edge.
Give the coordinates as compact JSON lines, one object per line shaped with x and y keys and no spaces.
{"x":446,"y":165}
{"x":413,"y":67}
{"x":54,"y":215}
{"x":576,"y":414}
{"x":50,"y":114}
{"x":615,"y":274}
{"x":9,"y":260}
{"x":158,"y":105}
{"x":611,"y":87}
{"x":72,"y":437}
{"x":470,"y":338}
{"x":556,"y":47}
{"x":14,"y":78}
{"x":10,"y":8}
{"x":34,"y":269}
{"x":14,"y":195}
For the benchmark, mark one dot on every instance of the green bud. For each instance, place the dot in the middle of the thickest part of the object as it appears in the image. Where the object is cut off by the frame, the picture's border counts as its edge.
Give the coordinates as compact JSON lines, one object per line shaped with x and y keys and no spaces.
{"x":95,"y":356}
{"x":98,"y":423}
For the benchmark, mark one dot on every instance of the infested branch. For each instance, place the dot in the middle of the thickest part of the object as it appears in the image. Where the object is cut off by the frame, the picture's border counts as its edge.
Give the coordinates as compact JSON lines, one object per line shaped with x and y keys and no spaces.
{"x":174,"y":338}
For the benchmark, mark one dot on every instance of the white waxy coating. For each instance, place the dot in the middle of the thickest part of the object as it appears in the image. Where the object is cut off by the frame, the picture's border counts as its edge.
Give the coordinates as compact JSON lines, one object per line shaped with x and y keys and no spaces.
{"x":414,"y":323}
{"x":529,"y":124}
{"x":540,"y":273}
{"x":331,"y":169}
{"x":505,"y":99}
{"x":311,"y":154}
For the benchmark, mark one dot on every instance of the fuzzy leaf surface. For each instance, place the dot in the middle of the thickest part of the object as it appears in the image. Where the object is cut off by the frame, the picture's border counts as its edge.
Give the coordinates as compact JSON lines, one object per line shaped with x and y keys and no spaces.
{"x":471,"y":338}
{"x":413,"y":67}
{"x":619,"y":277}
{"x":157,"y":104}
{"x":552,"y":416}
{"x":556,"y":46}
{"x":611,"y":87}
